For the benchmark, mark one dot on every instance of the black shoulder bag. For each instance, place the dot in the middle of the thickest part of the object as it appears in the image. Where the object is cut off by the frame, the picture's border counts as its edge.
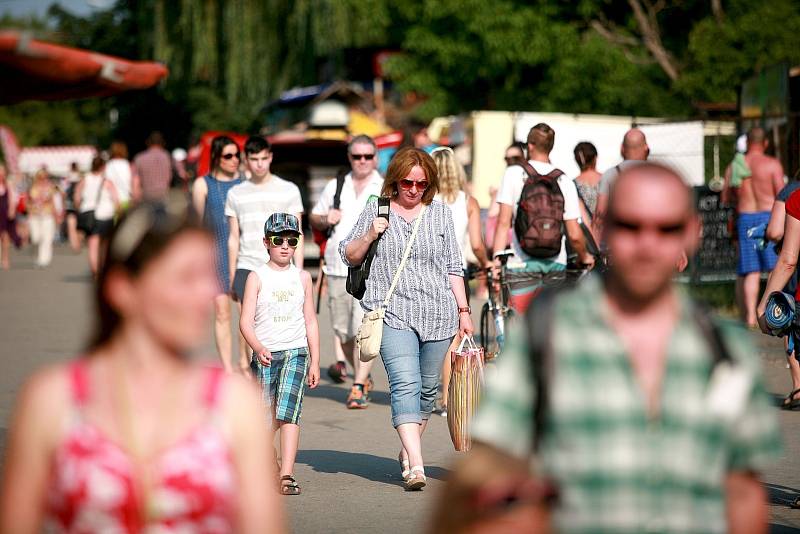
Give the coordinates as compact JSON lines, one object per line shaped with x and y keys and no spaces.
{"x":86,"y":219}
{"x":357,"y":276}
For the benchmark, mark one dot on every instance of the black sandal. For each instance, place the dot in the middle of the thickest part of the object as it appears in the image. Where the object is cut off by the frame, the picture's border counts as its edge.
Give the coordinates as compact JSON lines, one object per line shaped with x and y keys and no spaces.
{"x":790,"y":403}
{"x":289,"y":485}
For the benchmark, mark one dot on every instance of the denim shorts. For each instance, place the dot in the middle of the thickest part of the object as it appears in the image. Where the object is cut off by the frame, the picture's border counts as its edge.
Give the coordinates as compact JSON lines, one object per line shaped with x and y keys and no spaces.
{"x":413,"y":367}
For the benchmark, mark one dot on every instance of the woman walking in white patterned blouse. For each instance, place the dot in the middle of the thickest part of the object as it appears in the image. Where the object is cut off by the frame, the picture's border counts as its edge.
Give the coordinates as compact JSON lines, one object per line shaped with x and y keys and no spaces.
{"x":429,"y":304}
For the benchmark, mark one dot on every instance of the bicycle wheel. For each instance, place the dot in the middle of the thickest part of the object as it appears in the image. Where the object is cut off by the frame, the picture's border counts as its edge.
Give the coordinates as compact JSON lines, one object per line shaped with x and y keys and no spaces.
{"x":491,"y":347}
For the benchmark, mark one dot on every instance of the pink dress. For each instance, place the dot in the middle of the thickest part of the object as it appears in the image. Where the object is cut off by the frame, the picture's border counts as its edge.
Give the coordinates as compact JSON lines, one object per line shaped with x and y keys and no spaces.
{"x":93,"y":489}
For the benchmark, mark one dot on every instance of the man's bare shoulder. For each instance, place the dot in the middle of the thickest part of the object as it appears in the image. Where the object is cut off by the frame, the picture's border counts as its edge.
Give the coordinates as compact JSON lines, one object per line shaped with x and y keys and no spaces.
{"x":762,"y":165}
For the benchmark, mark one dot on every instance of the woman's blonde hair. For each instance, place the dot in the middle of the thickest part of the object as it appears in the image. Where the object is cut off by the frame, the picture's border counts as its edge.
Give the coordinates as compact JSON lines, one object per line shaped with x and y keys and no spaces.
{"x":451,"y":173}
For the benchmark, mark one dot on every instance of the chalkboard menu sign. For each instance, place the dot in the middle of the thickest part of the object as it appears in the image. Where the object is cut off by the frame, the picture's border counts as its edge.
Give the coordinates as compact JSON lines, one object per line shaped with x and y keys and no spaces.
{"x":716,"y":257}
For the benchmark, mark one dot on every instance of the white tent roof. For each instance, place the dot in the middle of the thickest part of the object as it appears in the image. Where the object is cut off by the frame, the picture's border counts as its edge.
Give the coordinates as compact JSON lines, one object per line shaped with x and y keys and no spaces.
{"x":56,"y":159}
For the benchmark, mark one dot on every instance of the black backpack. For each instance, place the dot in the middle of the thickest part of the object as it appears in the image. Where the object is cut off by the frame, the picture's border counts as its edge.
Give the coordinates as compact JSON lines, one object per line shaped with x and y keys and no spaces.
{"x":539,"y":318}
{"x":539,"y":223}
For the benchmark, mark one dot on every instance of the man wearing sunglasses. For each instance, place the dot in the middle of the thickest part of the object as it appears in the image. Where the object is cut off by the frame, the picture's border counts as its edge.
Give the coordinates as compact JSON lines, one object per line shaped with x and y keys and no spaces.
{"x":248,"y":205}
{"x":360,"y":185}
{"x":654,"y":416}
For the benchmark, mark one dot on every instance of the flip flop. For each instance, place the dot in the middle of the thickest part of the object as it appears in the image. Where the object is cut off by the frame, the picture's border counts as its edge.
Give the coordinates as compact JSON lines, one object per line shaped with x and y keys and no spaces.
{"x":289,"y":485}
{"x":790,"y":403}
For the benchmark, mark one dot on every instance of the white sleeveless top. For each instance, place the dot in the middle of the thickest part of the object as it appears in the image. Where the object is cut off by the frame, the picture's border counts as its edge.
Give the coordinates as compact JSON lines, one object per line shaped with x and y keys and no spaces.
{"x":104,"y":209}
{"x":118,"y":171}
{"x":279,"y":322}
{"x":461,"y":222}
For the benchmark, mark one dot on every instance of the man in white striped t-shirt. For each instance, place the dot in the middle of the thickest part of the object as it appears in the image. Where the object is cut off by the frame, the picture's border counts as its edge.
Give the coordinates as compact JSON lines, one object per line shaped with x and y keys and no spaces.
{"x":247,"y":207}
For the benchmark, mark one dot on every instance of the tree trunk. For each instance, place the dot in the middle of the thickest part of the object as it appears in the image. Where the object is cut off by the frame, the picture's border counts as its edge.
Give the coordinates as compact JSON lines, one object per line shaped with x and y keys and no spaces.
{"x":648,"y":26}
{"x":716,"y":9}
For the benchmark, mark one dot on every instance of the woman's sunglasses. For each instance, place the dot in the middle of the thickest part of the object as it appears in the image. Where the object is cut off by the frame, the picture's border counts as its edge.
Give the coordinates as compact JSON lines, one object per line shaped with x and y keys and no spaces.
{"x":277,"y":241}
{"x":406,"y":184}
{"x":156,"y":217}
{"x":231,"y":156}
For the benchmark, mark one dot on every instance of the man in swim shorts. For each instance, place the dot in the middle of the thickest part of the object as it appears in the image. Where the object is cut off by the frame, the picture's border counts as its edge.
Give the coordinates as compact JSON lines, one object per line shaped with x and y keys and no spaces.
{"x":754,"y":203}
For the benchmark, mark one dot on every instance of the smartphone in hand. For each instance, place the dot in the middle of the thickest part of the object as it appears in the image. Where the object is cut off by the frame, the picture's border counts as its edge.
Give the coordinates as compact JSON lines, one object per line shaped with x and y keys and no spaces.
{"x":383,"y":208}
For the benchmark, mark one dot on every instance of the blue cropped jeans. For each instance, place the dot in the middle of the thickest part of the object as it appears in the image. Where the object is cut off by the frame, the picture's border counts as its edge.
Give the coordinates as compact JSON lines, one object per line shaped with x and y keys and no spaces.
{"x":413,"y":367}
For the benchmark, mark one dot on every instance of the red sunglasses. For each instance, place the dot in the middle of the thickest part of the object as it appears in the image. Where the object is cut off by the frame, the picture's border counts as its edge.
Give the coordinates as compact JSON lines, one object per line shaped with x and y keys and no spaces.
{"x":406,"y":184}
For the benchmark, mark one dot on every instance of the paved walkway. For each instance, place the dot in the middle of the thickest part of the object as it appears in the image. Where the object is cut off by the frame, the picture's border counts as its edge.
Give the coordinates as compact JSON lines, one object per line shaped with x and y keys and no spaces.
{"x":347,"y":463}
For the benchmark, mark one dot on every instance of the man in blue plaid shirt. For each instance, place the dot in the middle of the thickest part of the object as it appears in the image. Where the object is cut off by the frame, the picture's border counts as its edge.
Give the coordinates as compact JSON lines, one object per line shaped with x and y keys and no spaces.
{"x":645,"y":430}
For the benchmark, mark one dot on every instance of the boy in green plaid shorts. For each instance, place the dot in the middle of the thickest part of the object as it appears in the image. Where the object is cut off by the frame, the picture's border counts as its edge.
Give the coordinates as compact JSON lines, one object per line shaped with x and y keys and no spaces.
{"x":643,"y":429}
{"x":280,"y":324}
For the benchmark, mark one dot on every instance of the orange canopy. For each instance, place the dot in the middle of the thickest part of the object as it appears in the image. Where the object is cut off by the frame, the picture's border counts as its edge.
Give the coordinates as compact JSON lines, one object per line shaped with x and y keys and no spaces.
{"x":36,"y":70}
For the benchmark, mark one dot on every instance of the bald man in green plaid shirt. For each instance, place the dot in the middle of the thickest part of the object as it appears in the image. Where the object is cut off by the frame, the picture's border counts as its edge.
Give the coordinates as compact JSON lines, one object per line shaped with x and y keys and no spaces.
{"x":643,"y":431}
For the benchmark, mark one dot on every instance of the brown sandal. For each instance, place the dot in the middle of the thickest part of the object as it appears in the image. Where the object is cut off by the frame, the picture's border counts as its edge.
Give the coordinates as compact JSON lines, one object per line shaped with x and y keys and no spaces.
{"x":289,"y":485}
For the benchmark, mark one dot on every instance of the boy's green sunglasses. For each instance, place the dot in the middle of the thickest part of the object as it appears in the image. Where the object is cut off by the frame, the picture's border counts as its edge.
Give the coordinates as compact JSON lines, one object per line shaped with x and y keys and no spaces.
{"x":277,"y":241}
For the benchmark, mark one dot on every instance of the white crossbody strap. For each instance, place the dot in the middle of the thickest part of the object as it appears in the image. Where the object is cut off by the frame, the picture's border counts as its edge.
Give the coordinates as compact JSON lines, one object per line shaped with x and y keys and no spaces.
{"x":406,"y":252}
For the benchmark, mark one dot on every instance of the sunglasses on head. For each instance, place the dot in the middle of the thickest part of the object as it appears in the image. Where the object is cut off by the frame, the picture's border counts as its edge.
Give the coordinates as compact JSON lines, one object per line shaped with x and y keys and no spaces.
{"x":277,"y":241}
{"x":406,"y":184}
{"x":231,"y":156}
{"x":368,"y":157}
{"x":162,"y":218}
{"x":668,"y":229}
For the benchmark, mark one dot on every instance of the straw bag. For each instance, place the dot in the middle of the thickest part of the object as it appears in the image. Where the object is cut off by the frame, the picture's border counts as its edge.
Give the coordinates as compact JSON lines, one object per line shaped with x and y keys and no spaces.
{"x":464,"y":393}
{"x":371,"y":331}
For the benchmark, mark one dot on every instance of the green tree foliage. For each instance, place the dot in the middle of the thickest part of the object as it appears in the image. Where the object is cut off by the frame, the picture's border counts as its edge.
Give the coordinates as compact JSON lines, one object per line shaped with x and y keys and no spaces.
{"x":754,"y":35}
{"x":227,"y":58}
{"x":57,"y":123}
{"x":638,"y":57}
{"x":521,"y":56}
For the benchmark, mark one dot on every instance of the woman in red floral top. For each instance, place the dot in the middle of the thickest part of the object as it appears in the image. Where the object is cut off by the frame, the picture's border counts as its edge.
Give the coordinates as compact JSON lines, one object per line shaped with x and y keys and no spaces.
{"x":132,"y":437}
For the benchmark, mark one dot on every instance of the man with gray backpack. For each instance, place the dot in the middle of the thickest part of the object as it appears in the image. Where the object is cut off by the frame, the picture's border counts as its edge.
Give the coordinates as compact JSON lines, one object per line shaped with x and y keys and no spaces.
{"x":542,"y":202}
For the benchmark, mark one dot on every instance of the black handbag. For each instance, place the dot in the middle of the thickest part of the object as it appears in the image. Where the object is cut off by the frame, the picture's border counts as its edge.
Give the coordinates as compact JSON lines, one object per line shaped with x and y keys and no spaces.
{"x":357,"y":276}
{"x":86,"y":220}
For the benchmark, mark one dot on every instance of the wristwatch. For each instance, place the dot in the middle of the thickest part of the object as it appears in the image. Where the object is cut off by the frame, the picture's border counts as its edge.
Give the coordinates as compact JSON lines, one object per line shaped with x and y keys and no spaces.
{"x":465,"y":309}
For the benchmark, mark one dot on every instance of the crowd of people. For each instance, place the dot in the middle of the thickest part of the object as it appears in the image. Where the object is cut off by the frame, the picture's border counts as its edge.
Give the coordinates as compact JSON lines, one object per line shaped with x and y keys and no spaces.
{"x":618,"y":405}
{"x":80,"y":207}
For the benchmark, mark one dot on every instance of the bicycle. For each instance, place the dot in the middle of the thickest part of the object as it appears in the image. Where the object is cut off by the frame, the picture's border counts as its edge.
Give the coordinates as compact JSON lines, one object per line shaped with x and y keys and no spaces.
{"x":496,"y":312}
